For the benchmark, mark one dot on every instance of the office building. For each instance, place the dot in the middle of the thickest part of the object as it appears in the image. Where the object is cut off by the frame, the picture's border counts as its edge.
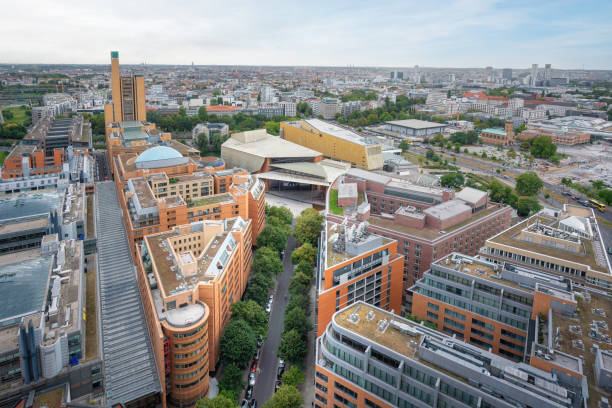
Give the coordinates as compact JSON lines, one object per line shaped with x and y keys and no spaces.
{"x":128,"y":92}
{"x":194,"y":273}
{"x":563,"y":242}
{"x":353,"y":265}
{"x":334,"y":142}
{"x":507,"y":74}
{"x":558,"y":136}
{"x":414,"y":128}
{"x":520,"y":314}
{"x":427,"y":222}
{"x":368,"y":357}
{"x":151,"y":204}
{"x":289,"y":108}
{"x":534,"y":74}
{"x":497,"y":136}
{"x":547,"y":72}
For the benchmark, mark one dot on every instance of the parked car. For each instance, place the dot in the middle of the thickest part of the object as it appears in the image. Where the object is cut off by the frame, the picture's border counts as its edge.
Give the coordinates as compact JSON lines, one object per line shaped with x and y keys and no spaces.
{"x":252,"y":379}
{"x":270,"y":299}
{"x":249,"y":392}
{"x":245,"y":404}
{"x":277,"y":385}
{"x":257,"y":354}
{"x":268,"y":308}
{"x":281,"y":363}
{"x":254,"y":366}
{"x":574,"y":198}
{"x":253,"y":403}
{"x":279,"y":372}
{"x":260,"y":341}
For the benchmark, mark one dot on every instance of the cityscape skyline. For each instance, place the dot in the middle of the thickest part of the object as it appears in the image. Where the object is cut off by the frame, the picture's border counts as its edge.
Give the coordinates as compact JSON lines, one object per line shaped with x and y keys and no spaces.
{"x":469,"y":34}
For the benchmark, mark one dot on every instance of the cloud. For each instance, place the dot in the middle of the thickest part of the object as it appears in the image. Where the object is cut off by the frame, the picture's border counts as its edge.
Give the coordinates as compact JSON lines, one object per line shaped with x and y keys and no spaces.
{"x":459,"y":33}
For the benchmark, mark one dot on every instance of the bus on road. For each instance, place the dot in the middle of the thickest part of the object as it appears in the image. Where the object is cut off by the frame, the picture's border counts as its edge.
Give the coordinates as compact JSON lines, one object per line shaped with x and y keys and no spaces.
{"x":597,"y":205}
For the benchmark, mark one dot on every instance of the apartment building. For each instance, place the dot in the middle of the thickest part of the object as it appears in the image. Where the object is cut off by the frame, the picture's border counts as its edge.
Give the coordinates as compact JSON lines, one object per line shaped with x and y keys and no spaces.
{"x":194,"y":273}
{"x":561,"y":136}
{"x":160,"y":189}
{"x":564,"y":242}
{"x":354,"y":265}
{"x":334,"y":142}
{"x":521,"y":314}
{"x":369,"y":357}
{"x":427,"y":222}
{"x":329,"y":107}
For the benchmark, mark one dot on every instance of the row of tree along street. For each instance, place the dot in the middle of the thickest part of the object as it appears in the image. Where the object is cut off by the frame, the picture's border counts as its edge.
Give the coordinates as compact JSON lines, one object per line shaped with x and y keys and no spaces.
{"x":249,"y":321}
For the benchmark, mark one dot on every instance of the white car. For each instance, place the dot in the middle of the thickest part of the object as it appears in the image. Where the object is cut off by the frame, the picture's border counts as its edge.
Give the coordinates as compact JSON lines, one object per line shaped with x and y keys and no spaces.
{"x":251,"y":379}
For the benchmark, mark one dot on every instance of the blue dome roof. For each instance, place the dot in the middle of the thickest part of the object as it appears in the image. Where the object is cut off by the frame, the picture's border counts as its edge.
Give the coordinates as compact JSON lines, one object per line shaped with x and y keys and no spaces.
{"x":158,"y":153}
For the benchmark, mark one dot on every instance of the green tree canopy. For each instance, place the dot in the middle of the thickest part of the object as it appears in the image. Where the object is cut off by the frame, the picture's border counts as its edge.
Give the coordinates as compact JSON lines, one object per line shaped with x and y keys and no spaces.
{"x":252,"y":313}
{"x":283,"y":213}
{"x":273,"y":127}
{"x":267,"y":261}
{"x":527,"y":205}
{"x":543,"y":147}
{"x":605,"y":195}
{"x":287,"y":396}
{"x":273,"y":237}
{"x":220,"y":401}
{"x":308,"y":226}
{"x":305,"y":268}
{"x":299,"y":300}
{"x":297,"y":319}
{"x":305,"y":253}
{"x":292,"y":346}
{"x":237,"y":343}
{"x":404,"y":145}
{"x":528,"y":184}
{"x":452,"y":180}
{"x":232,"y":379}
{"x":294,"y":376}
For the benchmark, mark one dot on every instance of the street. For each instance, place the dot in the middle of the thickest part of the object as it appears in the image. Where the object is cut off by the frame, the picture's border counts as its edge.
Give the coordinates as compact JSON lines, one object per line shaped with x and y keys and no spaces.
{"x":268,"y":361}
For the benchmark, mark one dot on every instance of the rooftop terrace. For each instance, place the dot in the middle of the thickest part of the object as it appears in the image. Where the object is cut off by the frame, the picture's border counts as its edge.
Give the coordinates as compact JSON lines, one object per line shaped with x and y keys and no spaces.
{"x":210,"y":200}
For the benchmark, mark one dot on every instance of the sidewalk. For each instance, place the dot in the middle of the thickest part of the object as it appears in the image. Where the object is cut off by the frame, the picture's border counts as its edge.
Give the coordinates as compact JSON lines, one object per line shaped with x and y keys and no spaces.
{"x":307,"y":388}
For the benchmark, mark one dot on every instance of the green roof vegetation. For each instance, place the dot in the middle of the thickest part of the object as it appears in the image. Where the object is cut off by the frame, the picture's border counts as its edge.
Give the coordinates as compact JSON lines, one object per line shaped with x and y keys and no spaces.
{"x":333,"y":203}
{"x":212,"y":199}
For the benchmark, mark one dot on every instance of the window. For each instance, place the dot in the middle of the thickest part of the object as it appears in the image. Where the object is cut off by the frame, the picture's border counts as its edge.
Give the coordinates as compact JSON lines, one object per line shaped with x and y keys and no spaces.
{"x":322,"y":377}
{"x":454,"y":314}
{"x":321,"y":388}
{"x":458,"y":394}
{"x":345,"y":390}
{"x":344,"y":401}
{"x":381,"y":374}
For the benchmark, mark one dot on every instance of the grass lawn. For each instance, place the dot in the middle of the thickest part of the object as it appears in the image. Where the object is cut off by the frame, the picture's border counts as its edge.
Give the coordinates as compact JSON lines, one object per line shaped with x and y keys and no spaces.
{"x":19,"y":114}
{"x":3,"y":154}
{"x":333,"y":203}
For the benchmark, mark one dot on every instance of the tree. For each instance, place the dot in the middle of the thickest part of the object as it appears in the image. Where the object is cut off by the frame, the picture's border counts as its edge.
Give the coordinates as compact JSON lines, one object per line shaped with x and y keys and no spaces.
{"x":543,"y":147}
{"x":257,"y":292}
{"x":404,"y":145}
{"x":598,"y":184}
{"x":294,"y":376}
{"x":305,"y":253}
{"x":292,"y":347}
{"x":297,"y":319}
{"x":304,"y":267}
{"x":273,"y":237}
{"x":511,"y":154}
{"x":237,"y":343}
{"x":452,"y":180}
{"x":203,"y":114}
{"x":308,"y":226}
{"x":605,"y":195}
{"x":525,"y":146}
{"x":527,"y":205}
{"x":232,"y":379}
{"x":287,"y":396}
{"x":7,"y":114}
{"x":283,"y":213}
{"x":299,"y":300}
{"x":273,"y":128}
{"x":567,"y":181}
{"x":219,"y":401}
{"x":252,"y":313}
{"x":528,"y":184}
{"x":267,"y":261}
{"x":202,"y":143}
{"x":300,"y":283}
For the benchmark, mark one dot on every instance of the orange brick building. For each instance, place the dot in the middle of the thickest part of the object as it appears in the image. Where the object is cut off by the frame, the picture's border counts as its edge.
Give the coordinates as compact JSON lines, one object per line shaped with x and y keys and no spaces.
{"x":192,"y":274}
{"x":356,"y":265}
{"x":558,"y":136}
{"x":151,"y":204}
{"x":498,"y":137}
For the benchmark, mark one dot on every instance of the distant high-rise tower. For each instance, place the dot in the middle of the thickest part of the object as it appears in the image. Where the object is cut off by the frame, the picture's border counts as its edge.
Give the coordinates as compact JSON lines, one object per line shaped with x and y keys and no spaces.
{"x":128,"y":93}
{"x":507,"y":74}
{"x":547,"y":72}
{"x":534,"y":74}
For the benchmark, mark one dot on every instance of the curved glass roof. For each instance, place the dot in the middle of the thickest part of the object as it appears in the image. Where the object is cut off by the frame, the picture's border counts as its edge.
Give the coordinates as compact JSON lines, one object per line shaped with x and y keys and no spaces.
{"x":158,"y":153}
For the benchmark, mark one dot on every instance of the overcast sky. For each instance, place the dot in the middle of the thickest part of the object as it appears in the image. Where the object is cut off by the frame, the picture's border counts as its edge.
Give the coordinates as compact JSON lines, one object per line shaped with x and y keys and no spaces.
{"x":404,"y":33}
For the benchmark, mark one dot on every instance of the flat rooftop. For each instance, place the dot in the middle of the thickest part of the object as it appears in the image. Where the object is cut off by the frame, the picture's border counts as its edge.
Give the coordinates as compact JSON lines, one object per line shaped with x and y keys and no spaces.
{"x":365,"y":323}
{"x":30,"y":203}
{"x":333,"y":257}
{"x":210,"y":200}
{"x":586,"y":256}
{"x":260,"y":143}
{"x":448,"y":209}
{"x":143,"y":191}
{"x":416,"y":124}
{"x":499,"y":132}
{"x":339,"y":132}
{"x":25,"y":224}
